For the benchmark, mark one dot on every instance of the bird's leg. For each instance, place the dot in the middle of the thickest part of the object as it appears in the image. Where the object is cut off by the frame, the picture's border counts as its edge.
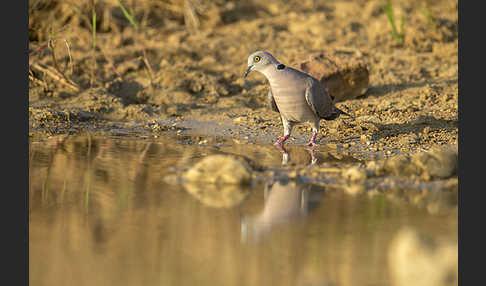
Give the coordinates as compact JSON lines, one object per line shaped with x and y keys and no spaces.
{"x":287,"y":129}
{"x":315,"y":129}
{"x":312,"y":142}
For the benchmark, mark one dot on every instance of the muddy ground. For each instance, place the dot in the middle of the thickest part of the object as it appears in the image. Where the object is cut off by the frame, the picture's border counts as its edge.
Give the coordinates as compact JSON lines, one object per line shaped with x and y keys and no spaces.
{"x":181,"y":70}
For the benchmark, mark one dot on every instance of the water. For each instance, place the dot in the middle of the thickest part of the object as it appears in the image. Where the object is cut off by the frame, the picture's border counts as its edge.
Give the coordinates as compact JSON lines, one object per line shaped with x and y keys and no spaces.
{"x":103,"y":212}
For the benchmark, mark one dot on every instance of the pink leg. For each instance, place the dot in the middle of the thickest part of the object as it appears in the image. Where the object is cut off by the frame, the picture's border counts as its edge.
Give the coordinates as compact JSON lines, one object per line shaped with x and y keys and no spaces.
{"x":281,"y":140}
{"x":312,"y":142}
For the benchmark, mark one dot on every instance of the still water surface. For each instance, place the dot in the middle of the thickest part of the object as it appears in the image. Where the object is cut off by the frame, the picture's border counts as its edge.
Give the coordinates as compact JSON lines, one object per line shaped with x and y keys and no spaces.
{"x":101,"y":213}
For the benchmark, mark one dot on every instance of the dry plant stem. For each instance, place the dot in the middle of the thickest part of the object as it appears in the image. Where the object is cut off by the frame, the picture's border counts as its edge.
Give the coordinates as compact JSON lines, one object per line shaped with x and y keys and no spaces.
{"x":93,"y":27}
{"x":145,"y":60}
{"x":70,"y":63}
{"x":43,"y":46}
{"x":55,"y":76}
{"x":140,"y":41}
{"x":190,"y":16}
{"x":93,"y":67}
{"x":38,"y":81}
{"x":56,"y":66}
{"x":111,"y":64}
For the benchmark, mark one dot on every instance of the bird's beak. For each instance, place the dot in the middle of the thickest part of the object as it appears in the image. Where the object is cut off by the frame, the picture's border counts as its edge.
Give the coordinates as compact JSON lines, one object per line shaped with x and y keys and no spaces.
{"x":248,"y":70}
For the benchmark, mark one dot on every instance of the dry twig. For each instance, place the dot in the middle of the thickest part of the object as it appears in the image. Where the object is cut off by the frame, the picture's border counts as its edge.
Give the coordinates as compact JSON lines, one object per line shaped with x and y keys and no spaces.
{"x":54,"y":74}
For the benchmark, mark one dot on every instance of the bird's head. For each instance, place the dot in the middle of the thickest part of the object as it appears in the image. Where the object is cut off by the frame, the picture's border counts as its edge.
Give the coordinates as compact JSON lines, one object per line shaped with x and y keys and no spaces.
{"x":259,"y":61}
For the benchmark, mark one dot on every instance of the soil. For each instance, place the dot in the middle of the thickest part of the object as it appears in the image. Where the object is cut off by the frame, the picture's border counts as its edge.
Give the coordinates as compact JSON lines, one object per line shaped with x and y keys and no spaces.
{"x":181,"y":70}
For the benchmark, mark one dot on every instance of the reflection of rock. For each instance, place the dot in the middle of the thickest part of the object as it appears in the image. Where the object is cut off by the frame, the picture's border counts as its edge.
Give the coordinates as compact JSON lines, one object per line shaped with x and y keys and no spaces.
{"x":354,"y":174}
{"x":217,"y":195}
{"x":416,"y":260}
{"x":219,"y":169}
{"x":283,"y":203}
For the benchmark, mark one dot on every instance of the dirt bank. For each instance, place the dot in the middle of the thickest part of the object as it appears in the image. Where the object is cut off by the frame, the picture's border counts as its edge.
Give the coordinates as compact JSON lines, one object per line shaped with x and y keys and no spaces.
{"x":181,"y":69}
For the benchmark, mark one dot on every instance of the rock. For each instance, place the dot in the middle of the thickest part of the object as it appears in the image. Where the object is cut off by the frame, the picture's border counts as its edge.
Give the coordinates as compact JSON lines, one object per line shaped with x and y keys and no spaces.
{"x":85,"y":115}
{"x":414,"y":259}
{"x":400,"y":166}
{"x":346,"y":77}
{"x":439,"y":162}
{"x":219,"y":169}
{"x":130,"y":92}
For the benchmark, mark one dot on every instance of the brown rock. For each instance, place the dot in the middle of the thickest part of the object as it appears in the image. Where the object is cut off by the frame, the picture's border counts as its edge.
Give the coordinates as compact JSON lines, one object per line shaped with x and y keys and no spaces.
{"x":439,"y":162}
{"x":345,"y":76}
{"x":401,"y":166}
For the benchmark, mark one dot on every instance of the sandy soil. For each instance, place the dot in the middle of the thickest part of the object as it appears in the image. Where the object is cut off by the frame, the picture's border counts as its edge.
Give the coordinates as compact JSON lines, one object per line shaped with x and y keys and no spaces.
{"x":182,"y":69}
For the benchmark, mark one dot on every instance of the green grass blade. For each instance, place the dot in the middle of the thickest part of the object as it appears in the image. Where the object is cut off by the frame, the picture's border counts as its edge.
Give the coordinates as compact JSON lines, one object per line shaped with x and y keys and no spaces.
{"x":388,"y":10}
{"x":128,"y":15}
{"x":93,"y":24}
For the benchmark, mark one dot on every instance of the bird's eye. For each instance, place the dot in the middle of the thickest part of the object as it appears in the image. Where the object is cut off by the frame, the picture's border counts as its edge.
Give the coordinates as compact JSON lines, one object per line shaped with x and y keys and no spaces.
{"x":256,"y":59}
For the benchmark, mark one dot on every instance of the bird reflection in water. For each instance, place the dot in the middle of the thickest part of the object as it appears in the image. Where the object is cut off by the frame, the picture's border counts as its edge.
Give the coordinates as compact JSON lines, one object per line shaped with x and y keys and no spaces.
{"x":285,"y":202}
{"x":286,"y":156}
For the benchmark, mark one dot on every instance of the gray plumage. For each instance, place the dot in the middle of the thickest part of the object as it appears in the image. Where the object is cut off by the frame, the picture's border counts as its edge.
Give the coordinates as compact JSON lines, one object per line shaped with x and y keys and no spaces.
{"x":297,"y":96}
{"x":271,"y":101}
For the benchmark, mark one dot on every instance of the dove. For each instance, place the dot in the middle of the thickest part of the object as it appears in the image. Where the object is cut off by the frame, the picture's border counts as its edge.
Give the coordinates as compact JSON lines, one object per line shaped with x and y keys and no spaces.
{"x":297,"y":96}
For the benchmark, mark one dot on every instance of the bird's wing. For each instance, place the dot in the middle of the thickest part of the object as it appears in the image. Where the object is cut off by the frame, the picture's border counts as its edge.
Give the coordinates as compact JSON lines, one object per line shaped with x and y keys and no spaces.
{"x":271,"y":101}
{"x":317,"y":98}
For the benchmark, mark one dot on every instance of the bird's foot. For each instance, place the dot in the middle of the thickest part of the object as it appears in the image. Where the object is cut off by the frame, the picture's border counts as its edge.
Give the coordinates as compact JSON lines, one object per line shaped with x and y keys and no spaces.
{"x":281,"y":140}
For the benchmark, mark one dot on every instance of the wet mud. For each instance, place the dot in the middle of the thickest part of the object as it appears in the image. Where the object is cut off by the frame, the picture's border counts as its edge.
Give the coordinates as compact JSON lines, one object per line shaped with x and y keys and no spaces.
{"x":195,"y":77}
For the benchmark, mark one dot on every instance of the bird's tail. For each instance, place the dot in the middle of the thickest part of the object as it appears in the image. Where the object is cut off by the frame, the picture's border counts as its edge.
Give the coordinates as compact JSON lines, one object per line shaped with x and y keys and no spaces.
{"x":336,"y":112}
